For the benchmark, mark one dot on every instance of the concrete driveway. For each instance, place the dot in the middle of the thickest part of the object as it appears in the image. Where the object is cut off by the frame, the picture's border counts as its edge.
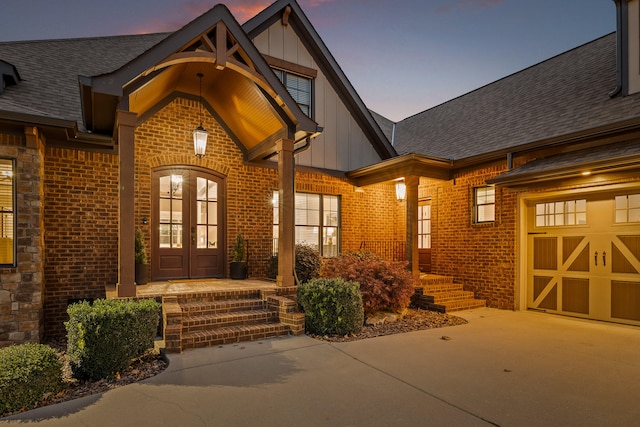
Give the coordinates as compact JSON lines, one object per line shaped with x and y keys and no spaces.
{"x":502,"y":368}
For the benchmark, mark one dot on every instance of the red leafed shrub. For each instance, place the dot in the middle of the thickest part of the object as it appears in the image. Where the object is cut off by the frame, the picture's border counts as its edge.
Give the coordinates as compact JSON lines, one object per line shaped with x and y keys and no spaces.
{"x":385,"y":285}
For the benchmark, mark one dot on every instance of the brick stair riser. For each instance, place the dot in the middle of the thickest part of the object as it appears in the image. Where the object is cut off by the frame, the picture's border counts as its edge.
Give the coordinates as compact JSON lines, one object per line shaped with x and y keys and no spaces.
{"x":449,"y":287}
{"x":218,"y":296}
{"x":218,"y":307}
{"x":443,"y":297}
{"x":232,"y":335}
{"x":459,"y":306}
{"x":435,"y":280}
{"x":206,"y":323}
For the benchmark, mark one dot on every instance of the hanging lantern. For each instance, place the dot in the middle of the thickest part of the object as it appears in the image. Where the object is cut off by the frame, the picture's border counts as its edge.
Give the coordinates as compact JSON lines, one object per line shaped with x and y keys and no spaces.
{"x":200,"y":134}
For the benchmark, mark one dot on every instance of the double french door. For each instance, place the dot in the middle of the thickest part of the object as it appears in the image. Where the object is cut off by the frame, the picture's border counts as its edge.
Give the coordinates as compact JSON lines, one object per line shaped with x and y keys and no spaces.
{"x":188,"y":224}
{"x":584,"y":257}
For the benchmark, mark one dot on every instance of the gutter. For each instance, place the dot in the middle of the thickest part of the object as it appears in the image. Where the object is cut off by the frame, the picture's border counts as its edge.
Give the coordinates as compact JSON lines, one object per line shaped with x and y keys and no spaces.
{"x":69,"y":127}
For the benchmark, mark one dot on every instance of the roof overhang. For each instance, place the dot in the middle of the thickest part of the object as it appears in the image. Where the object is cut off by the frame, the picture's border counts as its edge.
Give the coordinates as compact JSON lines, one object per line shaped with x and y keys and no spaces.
{"x":403,"y":166}
{"x":238,"y":88}
{"x":611,"y":159}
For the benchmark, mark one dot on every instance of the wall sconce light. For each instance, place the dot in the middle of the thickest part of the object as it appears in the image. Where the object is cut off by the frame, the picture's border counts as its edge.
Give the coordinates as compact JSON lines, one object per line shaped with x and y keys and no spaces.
{"x":401,"y":190}
{"x":200,"y":134}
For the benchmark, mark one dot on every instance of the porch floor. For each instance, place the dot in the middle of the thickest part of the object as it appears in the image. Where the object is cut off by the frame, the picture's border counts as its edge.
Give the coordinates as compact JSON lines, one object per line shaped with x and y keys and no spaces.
{"x":182,"y":286}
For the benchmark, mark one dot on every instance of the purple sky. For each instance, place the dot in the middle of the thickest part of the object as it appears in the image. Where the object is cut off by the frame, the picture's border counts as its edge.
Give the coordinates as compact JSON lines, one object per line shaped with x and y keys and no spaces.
{"x":402,"y":56}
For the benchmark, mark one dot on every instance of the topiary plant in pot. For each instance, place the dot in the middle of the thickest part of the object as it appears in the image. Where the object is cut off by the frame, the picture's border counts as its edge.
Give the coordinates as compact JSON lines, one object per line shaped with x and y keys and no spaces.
{"x":238,"y":267}
{"x":142,"y":263}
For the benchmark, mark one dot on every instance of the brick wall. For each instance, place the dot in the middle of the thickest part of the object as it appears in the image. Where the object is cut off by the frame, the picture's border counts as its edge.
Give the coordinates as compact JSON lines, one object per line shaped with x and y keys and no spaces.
{"x":80,"y":205}
{"x":482,"y":256}
{"x":81,"y":238}
{"x":21,"y":316}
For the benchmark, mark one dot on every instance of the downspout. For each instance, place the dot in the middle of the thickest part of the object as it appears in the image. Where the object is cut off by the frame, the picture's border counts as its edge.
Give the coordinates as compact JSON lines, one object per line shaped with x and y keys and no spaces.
{"x":304,"y":147}
{"x":621,"y":34}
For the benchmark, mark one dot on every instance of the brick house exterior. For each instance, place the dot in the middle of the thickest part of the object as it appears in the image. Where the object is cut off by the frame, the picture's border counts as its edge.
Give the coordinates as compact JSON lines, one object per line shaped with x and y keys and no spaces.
{"x":504,"y":177}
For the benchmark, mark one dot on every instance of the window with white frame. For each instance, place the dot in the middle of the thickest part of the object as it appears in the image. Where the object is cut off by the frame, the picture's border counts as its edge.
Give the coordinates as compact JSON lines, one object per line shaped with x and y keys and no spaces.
{"x":299,"y":87}
{"x":317,"y":222}
{"x":561,"y":213}
{"x":484,"y":204}
{"x":7,"y":213}
{"x":628,"y":208}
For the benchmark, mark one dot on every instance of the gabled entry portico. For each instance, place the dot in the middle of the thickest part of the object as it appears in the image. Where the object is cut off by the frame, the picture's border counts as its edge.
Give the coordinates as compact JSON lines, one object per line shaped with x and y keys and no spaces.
{"x":239,"y":90}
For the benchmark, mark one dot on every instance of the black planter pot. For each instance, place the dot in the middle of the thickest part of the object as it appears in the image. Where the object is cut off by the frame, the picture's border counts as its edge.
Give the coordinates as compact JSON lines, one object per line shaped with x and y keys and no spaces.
{"x":238,"y":270}
{"x":142,"y":274}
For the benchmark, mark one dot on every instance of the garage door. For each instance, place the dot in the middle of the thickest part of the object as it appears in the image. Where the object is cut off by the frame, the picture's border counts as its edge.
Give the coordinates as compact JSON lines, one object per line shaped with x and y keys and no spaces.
{"x":583,"y":256}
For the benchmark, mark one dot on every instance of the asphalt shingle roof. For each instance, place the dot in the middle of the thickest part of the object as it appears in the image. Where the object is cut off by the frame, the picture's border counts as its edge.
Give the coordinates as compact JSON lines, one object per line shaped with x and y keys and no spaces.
{"x":385,"y":124}
{"x":567,"y":93}
{"x":49,"y":70}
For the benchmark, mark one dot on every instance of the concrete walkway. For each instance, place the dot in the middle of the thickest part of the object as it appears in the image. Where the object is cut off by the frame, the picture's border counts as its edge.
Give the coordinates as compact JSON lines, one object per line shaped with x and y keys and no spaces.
{"x":502,"y":368}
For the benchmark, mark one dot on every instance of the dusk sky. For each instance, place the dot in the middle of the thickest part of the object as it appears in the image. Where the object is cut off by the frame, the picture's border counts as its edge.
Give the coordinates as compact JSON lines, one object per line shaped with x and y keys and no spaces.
{"x":402,"y":56}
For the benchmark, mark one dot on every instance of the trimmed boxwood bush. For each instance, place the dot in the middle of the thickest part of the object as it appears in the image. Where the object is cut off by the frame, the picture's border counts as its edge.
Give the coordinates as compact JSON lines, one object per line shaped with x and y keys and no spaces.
{"x":27,"y":372}
{"x":385,"y":285}
{"x":308,"y":263}
{"x":103,"y":337}
{"x":331,"y":306}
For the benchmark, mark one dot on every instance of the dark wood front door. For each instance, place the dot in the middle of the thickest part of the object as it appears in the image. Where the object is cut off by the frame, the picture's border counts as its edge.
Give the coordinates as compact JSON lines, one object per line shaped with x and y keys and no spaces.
{"x":187,"y":223}
{"x":424,"y":236}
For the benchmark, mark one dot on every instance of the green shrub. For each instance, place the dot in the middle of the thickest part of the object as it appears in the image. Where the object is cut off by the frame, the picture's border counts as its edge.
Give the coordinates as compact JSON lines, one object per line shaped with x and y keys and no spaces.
{"x":308,"y":263}
{"x":385,"y":285}
{"x":331,"y":306}
{"x":103,"y":337}
{"x":27,"y":372}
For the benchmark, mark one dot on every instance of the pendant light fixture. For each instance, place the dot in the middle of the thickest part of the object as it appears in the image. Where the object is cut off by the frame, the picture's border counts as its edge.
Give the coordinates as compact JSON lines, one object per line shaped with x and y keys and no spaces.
{"x":200,"y":134}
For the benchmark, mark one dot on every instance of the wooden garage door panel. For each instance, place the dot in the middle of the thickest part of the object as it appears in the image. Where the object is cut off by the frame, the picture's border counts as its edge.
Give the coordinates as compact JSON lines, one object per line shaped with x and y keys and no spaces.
{"x":575,"y":295}
{"x":625,"y":300}
{"x":545,"y":253}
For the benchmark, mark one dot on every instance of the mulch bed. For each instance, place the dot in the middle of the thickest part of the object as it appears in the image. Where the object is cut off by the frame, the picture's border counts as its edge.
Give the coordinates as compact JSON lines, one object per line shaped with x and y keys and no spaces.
{"x":152,"y":364}
{"x":413,"y":320}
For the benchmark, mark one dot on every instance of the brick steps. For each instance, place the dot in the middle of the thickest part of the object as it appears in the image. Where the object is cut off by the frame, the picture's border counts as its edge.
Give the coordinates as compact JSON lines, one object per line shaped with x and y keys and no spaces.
{"x":216,"y":318}
{"x":439,"y":293}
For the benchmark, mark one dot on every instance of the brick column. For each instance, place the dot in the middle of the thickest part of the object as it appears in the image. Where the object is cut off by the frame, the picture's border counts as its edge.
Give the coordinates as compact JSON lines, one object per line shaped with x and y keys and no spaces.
{"x":126,"y":125}
{"x":412,"y":223}
{"x":286,"y":213}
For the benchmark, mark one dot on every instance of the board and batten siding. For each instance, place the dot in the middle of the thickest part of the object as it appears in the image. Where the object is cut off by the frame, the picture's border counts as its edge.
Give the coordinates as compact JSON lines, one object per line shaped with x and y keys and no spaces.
{"x":342,"y":145}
